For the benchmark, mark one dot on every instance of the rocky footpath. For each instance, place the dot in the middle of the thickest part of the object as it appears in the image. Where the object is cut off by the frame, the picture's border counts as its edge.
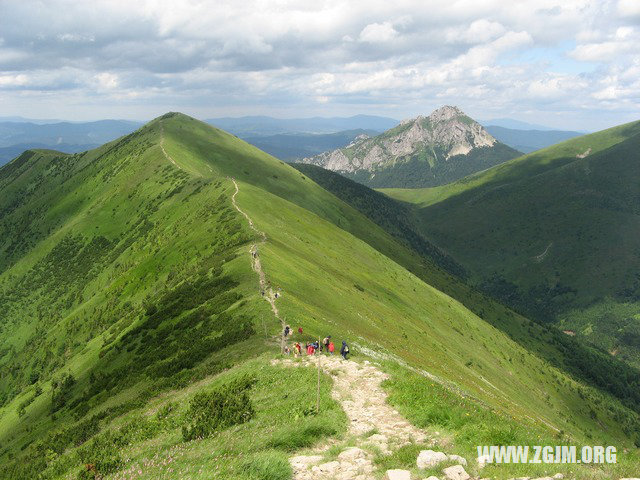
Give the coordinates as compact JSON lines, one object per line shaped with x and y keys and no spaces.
{"x":374,"y":428}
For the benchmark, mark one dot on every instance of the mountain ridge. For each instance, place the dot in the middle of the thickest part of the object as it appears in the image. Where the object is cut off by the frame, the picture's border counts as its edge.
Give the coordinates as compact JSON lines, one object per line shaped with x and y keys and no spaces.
{"x":128,"y":294}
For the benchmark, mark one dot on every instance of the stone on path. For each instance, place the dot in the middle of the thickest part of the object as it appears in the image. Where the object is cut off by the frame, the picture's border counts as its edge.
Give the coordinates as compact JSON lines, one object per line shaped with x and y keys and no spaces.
{"x":432,"y":477}
{"x":456,"y":472}
{"x":397,"y":475}
{"x":329,"y":468}
{"x":459,"y":459}
{"x":351,"y":454}
{"x":429,"y":458}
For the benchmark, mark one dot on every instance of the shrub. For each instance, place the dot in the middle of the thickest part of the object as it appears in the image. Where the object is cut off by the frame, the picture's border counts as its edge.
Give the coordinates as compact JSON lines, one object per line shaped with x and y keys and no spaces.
{"x":219,"y":409}
{"x":60,"y":392}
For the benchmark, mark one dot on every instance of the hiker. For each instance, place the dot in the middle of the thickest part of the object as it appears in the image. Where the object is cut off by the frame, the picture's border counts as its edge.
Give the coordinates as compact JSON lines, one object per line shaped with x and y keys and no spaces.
{"x":310,"y":349}
{"x":297,"y":349}
{"x":326,"y":341}
{"x":300,"y":330}
{"x":287,"y":329}
{"x":287,"y":350}
{"x":276,"y":294}
{"x":331,"y":347}
{"x":344,"y":351}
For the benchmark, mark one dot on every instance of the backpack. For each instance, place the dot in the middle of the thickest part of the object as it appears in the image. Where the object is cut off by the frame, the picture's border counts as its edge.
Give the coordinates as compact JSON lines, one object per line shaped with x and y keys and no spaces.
{"x":346,"y":349}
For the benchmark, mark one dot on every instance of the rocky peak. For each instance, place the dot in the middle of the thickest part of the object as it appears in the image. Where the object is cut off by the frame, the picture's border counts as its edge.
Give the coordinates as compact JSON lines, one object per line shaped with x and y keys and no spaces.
{"x":445,"y":113}
{"x":445,"y":133}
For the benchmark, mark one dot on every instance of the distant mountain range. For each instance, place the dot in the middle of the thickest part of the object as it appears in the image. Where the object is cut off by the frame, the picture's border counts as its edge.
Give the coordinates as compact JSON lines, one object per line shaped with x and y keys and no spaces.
{"x":68,"y":137}
{"x":258,"y":126}
{"x":514,"y":124}
{"x":420,"y":152}
{"x":528,"y":141}
{"x":287,"y":139}
{"x":293,"y":146}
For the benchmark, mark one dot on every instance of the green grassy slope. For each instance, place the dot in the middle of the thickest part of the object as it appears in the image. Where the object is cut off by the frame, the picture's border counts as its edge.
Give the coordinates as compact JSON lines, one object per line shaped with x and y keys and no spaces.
{"x":562,"y":241}
{"x":126,"y":288}
{"x":581,"y":360}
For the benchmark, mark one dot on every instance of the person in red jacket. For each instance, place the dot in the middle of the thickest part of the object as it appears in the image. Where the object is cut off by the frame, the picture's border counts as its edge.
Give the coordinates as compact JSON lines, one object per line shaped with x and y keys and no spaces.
{"x":310,"y":349}
{"x":331,"y":347}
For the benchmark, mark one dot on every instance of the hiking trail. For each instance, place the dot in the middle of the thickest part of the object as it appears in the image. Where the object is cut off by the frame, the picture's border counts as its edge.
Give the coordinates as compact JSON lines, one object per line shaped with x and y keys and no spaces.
{"x":268,"y":293}
{"x":166,"y":155}
{"x":373,"y":423}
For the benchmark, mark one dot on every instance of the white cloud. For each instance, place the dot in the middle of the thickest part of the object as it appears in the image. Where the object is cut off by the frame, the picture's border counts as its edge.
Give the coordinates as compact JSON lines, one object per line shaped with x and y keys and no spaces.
{"x":379,"y":56}
{"x":13,"y":80}
{"x":629,"y":8}
{"x":106,"y":80}
{"x":378,"y":33}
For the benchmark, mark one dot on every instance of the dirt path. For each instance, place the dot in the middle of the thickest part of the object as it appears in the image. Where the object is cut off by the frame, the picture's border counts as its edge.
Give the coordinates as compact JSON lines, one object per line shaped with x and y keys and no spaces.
{"x":373,"y":424}
{"x":541,"y":257}
{"x":166,"y":155}
{"x":267,"y":292}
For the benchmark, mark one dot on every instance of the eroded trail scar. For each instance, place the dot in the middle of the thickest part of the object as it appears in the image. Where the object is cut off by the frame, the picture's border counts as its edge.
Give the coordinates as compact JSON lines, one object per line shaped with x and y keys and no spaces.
{"x":267,"y":292}
{"x":166,"y":155}
{"x":357,"y":387}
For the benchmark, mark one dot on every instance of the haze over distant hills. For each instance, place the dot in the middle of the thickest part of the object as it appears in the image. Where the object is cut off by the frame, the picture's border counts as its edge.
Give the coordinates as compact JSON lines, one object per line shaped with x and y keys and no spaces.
{"x":514,"y":124}
{"x":528,"y":141}
{"x":255,"y":126}
{"x":69,"y":137}
{"x":287,"y":139}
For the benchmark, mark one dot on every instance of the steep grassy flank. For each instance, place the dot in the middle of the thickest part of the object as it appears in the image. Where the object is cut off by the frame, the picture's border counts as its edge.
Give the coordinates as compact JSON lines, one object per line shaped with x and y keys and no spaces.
{"x":580,"y":360}
{"x":563,"y":234}
{"x":135,"y":294}
{"x":391,"y":215}
{"x":354,"y":291}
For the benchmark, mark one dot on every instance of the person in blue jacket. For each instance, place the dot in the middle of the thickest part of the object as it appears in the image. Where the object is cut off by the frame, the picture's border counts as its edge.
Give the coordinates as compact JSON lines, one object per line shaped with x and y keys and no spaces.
{"x":344,"y":351}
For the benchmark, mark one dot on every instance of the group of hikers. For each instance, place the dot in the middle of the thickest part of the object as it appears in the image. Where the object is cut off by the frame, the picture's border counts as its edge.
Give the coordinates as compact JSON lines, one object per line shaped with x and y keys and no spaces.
{"x":311,"y":348}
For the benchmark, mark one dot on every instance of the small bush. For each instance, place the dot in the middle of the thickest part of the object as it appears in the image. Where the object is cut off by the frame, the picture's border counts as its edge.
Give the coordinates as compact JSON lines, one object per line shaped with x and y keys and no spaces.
{"x":61,"y":391}
{"x":226,"y":406}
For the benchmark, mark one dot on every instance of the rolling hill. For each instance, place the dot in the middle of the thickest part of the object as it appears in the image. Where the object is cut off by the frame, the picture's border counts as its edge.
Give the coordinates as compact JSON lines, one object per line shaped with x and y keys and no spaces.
{"x":420,"y":152}
{"x":129,"y":302}
{"x":553,"y":233}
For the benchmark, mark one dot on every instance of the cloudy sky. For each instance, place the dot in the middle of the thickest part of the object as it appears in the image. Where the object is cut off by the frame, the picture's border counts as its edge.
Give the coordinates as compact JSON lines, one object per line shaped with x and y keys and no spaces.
{"x":571,"y":64}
